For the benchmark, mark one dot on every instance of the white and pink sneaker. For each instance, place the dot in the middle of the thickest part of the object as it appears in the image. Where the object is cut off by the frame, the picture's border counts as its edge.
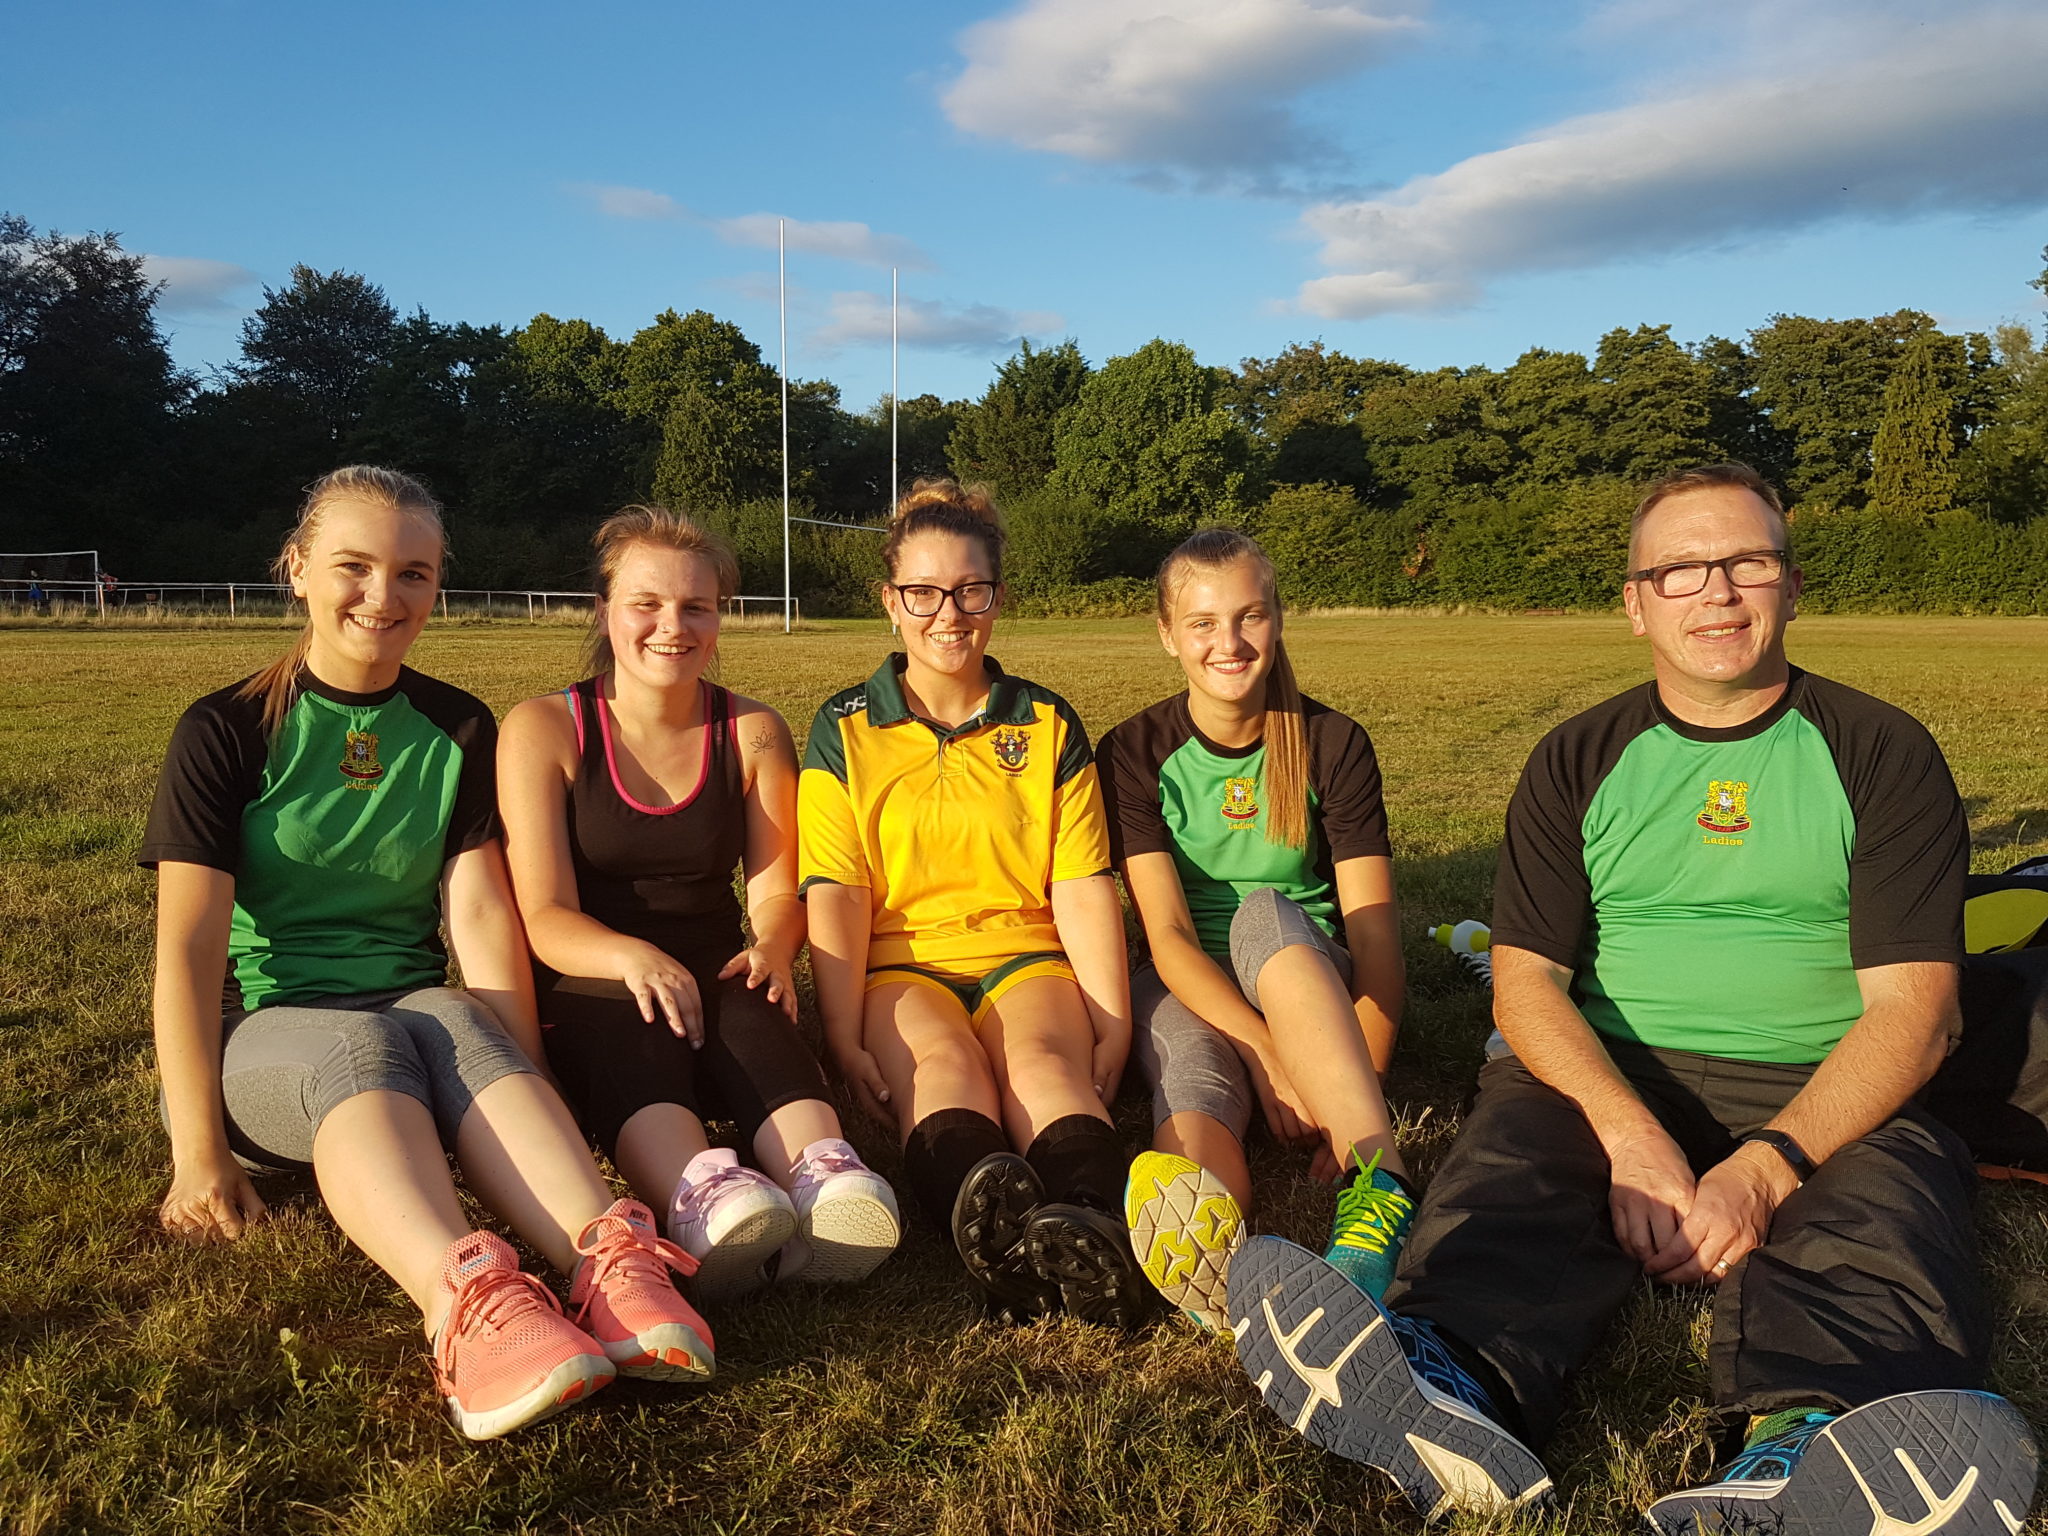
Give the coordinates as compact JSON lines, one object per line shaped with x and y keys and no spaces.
{"x":729,"y":1219}
{"x":847,"y":1221}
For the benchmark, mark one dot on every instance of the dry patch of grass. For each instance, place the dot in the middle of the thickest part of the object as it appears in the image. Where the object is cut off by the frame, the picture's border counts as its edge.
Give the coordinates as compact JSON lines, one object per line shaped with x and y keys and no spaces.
{"x":280,"y":1386}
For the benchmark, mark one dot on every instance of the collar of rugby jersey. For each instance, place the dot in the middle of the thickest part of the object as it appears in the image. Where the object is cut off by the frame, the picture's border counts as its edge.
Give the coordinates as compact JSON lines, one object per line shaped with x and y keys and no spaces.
{"x":1007,"y":703}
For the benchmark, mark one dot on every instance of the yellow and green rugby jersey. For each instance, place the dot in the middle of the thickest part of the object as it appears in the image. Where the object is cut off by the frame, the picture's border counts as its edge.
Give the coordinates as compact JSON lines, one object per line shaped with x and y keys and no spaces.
{"x":336,"y":829}
{"x":957,"y":835}
{"x":1716,"y":889}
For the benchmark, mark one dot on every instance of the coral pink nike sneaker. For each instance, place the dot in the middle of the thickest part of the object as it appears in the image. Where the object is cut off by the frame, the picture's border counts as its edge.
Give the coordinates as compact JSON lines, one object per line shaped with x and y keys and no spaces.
{"x":623,"y":1295}
{"x":505,"y":1355}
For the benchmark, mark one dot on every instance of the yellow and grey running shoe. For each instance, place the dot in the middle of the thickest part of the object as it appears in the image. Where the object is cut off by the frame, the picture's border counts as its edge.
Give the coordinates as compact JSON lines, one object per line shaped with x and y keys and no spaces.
{"x":1184,"y":1227}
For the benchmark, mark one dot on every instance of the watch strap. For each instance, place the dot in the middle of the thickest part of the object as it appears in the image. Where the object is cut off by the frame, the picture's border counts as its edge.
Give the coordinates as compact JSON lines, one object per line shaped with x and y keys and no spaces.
{"x":1790,"y":1150}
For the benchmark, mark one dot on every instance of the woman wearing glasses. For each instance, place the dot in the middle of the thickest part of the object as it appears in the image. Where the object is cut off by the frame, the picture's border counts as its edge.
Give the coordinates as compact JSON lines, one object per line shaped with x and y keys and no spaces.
{"x":965,"y":931}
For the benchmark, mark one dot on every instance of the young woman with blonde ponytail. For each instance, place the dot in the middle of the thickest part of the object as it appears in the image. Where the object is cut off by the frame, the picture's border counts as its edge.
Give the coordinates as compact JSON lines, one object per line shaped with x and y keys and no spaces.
{"x":313,"y":827}
{"x":1249,"y":830}
{"x":965,"y":932}
{"x":630,"y":798}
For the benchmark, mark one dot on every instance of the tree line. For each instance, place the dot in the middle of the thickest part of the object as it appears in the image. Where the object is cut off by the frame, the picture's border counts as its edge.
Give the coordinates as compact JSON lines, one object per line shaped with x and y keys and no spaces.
{"x":1916,"y":459}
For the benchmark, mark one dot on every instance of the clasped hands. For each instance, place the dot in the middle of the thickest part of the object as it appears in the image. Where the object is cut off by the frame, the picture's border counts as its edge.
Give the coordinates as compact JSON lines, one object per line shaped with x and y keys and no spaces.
{"x":1687,"y":1231}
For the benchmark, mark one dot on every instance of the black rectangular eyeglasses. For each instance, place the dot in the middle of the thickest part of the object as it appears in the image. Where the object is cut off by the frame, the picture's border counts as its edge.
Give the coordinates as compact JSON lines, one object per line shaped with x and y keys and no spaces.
{"x":969,"y":598}
{"x":1684,"y":578}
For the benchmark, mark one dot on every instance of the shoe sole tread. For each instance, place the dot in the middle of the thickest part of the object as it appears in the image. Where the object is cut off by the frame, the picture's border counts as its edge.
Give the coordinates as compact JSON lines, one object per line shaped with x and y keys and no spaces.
{"x":1289,"y":1308}
{"x":1095,"y":1271}
{"x":1863,"y":1475}
{"x":1175,"y":1233}
{"x":849,"y":1237}
{"x":732,"y":1266}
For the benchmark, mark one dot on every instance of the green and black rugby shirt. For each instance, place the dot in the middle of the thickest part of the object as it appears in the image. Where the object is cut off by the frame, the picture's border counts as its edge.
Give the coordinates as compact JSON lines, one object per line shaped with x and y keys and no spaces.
{"x":336,"y":830}
{"x":1170,"y":789}
{"x":1716,"y":890}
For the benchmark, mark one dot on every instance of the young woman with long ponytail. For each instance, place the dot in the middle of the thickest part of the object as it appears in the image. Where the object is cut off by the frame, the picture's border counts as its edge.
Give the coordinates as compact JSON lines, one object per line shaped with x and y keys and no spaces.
{"x":313,"y":826}
{"x":630,"y":798}
{"x":1250,"y":833}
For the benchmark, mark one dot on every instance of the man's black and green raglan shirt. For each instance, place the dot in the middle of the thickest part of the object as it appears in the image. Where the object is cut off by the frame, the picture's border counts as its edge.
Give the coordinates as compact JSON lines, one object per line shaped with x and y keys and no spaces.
{"x":1170,"y":789}
{"x":336,"y":830}
{"x":1716,"y":890}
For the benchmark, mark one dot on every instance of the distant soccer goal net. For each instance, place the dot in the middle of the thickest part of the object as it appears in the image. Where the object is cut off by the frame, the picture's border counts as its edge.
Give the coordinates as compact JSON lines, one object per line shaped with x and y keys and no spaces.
{"x":40,"y":578}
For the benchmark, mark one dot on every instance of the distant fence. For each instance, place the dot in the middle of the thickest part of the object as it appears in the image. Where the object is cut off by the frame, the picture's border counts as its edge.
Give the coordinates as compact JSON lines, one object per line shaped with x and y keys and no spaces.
{"x":256,"y":599}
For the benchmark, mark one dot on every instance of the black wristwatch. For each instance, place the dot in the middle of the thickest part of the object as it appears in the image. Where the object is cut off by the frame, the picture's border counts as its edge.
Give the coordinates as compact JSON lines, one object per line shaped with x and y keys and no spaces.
{"x":1790,"y":1150}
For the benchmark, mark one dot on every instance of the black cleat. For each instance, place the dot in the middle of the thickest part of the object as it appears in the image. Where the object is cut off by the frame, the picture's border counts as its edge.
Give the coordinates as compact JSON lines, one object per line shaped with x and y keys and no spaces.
{"x":1085,"y":1256}
{"x":996,"y":1202}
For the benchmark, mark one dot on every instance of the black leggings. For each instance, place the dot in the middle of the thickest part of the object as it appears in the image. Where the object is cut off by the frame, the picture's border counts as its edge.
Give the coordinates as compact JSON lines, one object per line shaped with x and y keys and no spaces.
{"x":1866,"y":1285}
{"x":612,"y":1063}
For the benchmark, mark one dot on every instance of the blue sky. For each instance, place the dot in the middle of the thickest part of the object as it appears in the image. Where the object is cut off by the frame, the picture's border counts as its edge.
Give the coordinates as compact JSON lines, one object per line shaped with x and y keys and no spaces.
{"x":1433,"y":183}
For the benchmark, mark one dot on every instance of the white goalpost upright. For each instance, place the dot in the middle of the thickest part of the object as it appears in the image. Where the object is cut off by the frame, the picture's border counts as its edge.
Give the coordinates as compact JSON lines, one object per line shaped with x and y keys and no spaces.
{"x":782,"y":315}
{"x":782,"y":325}
{"x":895,"y":478}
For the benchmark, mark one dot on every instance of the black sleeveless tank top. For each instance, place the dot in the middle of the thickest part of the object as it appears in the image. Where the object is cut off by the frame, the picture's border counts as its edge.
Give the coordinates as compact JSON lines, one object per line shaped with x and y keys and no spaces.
{"x":659,"y":873}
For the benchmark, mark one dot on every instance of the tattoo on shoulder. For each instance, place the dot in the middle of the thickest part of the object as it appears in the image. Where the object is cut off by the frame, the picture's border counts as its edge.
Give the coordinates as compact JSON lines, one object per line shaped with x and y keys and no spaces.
{"x":764,"y":739}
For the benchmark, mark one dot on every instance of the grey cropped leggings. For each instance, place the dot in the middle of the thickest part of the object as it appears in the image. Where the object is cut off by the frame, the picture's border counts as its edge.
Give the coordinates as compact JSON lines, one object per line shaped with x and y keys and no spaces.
{"x":1188,"y":1062}
{"x":283,"y":1069}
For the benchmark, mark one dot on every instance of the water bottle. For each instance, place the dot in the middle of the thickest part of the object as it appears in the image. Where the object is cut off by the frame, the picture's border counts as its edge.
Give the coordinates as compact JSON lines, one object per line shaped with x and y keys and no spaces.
{"x":1471,"y":942}
{"x":1470,"y":937}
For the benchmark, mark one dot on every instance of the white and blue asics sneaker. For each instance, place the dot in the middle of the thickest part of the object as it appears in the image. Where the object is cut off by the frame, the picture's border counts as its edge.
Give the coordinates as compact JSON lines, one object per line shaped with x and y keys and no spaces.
{"x":1373,"y":1386}
{"x":1960,"y":1463}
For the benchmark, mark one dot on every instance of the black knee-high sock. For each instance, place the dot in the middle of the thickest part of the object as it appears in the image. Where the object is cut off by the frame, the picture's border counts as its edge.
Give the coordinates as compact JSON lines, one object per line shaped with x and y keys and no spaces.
{"x":942,"y":1150}
{"x":1079,"y":1159}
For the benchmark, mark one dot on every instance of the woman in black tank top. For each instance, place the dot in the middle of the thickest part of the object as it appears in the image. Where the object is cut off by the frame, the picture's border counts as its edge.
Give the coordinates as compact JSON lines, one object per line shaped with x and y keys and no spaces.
{"x":629,"y":800}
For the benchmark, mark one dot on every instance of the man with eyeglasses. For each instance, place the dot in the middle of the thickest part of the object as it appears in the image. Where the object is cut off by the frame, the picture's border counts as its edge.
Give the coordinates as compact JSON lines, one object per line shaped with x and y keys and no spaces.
{"x":1727,"y":926}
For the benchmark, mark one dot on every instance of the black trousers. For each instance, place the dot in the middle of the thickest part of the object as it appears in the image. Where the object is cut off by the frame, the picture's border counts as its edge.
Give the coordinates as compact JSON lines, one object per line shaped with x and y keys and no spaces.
{"x":612,"y":1063}
{"x":1866,"y":1285}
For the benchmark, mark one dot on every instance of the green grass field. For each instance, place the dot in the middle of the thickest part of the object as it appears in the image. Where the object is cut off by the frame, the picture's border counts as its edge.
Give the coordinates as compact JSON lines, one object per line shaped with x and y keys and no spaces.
{"x":282,"y":1386}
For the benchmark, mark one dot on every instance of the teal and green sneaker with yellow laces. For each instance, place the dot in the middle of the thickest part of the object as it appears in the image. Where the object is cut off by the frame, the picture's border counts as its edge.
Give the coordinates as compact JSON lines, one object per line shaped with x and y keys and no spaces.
{"x":1374,"y":1211}
{"x":1185,"y":1225}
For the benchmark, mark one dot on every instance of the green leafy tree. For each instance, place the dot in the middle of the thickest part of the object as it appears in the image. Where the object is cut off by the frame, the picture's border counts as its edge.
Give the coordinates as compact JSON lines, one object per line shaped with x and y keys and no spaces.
{"x":1303,"y":406}
{"x":1005,"y":438}
{"x":1329,"y":549}
{"x":1653,"y":404}
{"x":87,"y":388}
{"x":2004,"y":470}
{"x":316,"y":343}
{"x":1148,"y":441}
{"x":718,"y":409}
{"x":1823,"y":383}
{"x":1913,"y":450}
{"x":1546,"y":406}
{"x":1436,"y":440}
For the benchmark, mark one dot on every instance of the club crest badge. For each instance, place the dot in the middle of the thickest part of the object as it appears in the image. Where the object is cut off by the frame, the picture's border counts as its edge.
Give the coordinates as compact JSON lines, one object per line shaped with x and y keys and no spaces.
{"x":359,"y":759}
{"x":1013,"y":749}
{"x":1727,"y":806}
{"x":1240,"y":800}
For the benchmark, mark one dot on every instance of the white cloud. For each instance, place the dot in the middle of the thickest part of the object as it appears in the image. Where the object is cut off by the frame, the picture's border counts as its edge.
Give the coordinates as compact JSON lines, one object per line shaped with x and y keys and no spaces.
{"x":630,"y":202}
{"x":863,"y":318}
{"x":195,"y":286}
{"x":1937,"y":117}
{"x":844,"y":241}
{"x":1199,"y":87}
